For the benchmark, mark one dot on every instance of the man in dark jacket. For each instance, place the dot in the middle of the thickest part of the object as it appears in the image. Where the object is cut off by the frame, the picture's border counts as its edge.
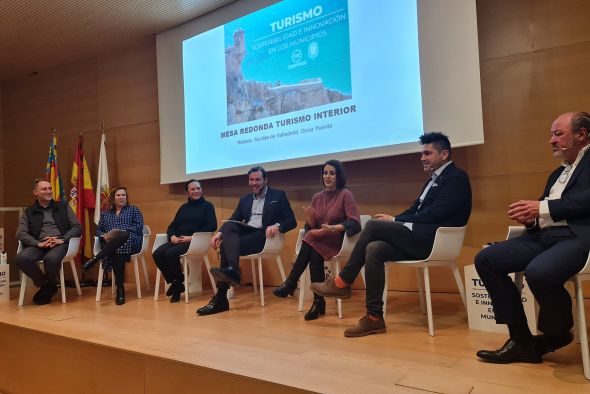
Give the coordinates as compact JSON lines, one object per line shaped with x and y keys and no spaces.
{"x":445,"y":201}
{"x":262,"y":214}
{"x":44,"y":232}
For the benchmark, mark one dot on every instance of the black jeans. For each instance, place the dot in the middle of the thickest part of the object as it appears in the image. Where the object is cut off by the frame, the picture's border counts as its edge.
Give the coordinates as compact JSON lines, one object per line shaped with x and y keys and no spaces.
{"x":27,"y":259}
{"x":548,"y":258}
{"x":167,"y":258}
{"x":308,"y":255}
{"x":109,"y":249}
{"x":380,"y":241}
{"x":239,"y":241}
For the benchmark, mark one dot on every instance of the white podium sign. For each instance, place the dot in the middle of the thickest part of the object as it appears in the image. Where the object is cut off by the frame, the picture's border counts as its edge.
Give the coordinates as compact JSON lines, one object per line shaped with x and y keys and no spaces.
{"x":480,"y":312}
{"x":4,"y":280}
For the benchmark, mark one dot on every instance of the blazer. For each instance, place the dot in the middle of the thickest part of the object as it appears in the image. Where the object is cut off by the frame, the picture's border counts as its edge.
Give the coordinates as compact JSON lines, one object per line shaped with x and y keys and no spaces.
{"x":276,"y":210}
{"x":447,"y":204}
{"x":574,"y":204}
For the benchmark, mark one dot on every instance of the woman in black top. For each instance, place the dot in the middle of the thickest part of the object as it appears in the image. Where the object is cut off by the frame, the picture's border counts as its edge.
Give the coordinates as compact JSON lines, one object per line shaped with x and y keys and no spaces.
{"x":196,"y":215}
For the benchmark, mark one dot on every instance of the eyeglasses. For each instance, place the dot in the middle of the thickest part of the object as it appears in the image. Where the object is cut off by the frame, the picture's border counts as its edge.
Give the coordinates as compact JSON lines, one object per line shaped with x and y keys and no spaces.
{"x":564,"y":174}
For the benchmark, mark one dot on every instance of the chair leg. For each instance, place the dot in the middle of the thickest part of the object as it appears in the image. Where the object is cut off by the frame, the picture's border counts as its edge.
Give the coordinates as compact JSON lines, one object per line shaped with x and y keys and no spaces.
{"x":137,"y":281}
{"x":23,"y":285}
{"x":185,"y":268}
{"x":157,"y":285}
{"x":211,"y":278}
{"x":459,"y":281}
{"x":582,"y":327}
{"x":253,"y":263}
{"x":261,"y":281}
{"x":385,"y":288}
{"x":428,"y":301}
{"x":62,"y":282}
{"x":145,"y":273}
{"x":99,"y":282}
{"x":281,"y":269}
{"x":302,"y":285}
{"x":338,"y":300}
{"x":75,"y":275}
{"x":420,"y":276}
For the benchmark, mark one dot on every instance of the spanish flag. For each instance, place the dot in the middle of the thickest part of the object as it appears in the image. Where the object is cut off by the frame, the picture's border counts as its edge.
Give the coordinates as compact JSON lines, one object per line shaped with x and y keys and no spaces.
{"x":52,"y":172}
{"x":82,"y":195}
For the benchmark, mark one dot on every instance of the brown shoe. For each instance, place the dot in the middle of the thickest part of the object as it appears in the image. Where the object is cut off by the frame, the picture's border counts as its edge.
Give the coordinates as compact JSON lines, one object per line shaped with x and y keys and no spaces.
{"x":365,"y":326}
{"x":329,"y":289}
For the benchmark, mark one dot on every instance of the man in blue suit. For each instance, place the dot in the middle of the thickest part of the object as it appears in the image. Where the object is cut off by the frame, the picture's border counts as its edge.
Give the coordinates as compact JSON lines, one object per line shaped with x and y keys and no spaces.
{"x":259,"y":215}
{"x":554,"y":249}
{"x":445,"y":201}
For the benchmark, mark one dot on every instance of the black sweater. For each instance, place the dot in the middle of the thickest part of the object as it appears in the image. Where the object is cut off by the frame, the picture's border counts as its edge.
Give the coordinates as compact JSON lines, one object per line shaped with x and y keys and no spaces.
{"x":193,"y":216}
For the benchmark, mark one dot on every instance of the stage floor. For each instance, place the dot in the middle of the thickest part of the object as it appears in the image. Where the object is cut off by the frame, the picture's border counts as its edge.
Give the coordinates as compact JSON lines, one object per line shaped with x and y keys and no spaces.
{"x":274,"y":346}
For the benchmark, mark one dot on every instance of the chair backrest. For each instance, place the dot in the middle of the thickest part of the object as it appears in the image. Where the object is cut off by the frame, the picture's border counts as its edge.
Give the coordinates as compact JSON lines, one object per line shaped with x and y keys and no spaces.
{"x":273,"y":245}
{"x":146,"y":238}
{"x":515,"y":231}
{"x":448,"y":242}
{"x":160,"y":240}
{"x":199,"y":243}
{"x":364,"y":220}
{"x":299,"y":240}
{"x":347,"y":246}
{"x":73,"y":247}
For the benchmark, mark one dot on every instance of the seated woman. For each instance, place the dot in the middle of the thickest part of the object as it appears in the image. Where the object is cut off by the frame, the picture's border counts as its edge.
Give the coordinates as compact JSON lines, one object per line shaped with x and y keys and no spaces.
{"x":196,"y":215}
{"x":120,"y":232}
{"x":333,"y":211}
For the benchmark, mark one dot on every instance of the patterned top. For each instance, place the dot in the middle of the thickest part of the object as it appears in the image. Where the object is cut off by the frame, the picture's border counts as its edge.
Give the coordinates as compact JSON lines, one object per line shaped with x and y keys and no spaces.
{"x":332,"y":207}
{"x":129,"y":219}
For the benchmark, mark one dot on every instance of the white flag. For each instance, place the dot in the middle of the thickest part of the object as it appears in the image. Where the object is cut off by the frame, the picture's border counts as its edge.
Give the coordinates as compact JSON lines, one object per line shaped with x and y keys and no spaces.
{"x":102,"y":183}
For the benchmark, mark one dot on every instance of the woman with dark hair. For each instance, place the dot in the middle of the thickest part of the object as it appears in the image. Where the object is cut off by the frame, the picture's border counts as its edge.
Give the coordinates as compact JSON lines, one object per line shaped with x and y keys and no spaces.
{"x":333,"y":212}
{"x":120,"y":232}
{"x":196,"y":215}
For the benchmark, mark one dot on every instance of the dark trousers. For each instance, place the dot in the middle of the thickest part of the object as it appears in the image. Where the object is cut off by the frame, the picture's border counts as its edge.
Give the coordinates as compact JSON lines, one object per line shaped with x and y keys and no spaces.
{"x":239,"y":241}
{"x":109,"y":249}
{"x":380,"y":241}
{"x":308,"y":255}
{"x":27,"y":259}
{"x":167,"y":258}
{"x":548,"y":258}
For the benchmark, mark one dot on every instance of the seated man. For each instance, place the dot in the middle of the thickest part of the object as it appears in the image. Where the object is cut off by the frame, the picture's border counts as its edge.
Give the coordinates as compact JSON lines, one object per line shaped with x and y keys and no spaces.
{"x":259,"y":215}
{"x":44,"y":231}
{"x":445,"y":201}
{"x":554,"y":249}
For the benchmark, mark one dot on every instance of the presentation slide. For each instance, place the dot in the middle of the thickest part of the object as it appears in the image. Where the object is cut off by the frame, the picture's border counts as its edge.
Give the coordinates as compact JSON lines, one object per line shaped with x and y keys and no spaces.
{"x":299,"y":79}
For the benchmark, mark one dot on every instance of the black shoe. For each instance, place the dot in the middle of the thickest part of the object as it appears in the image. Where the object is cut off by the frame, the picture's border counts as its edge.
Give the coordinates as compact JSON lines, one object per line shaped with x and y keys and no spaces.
{"x":512,"y":352}
{"x":120,"y":300}
{"x":286,"y":289}
{"x":45,"y":293}
{"x":216,"y":305}
{"x":317,"y":308}
{"x":177,"y":285}
{"x":175,"y":296}
{"x":227,"y":275}
{"x":89,"y":264}
{"x":545,"y":343}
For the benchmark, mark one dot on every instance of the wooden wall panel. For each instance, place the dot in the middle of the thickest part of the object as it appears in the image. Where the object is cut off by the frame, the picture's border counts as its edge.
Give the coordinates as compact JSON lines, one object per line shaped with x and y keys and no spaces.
{"x":534,"y":57}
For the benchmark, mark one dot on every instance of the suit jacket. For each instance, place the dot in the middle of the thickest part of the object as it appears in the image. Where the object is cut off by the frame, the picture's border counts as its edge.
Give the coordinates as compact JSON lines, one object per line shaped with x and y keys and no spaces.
{"x":574,"y":204}
{"x":276,"y":210}
{"x":447,"y":204}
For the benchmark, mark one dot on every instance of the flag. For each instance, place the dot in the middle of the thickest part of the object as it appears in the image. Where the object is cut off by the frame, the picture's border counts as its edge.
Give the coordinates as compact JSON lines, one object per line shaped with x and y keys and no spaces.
{"x":82,"y":195}
{"x":102,"y":183}
{"x":52,"y":172}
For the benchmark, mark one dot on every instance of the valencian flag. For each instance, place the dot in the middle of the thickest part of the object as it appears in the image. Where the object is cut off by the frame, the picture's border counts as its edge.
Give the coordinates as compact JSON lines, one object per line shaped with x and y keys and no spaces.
{"x":102,"y":182}
{"x":52,"y":172}
{"x":82,"y":195}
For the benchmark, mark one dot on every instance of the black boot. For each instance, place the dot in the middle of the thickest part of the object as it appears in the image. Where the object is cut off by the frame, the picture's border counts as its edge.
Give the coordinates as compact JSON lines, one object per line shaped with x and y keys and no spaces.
{"x":120,"y":300}
{"x":317,"y":308}
{"x":90,"y":263}
{"x":286,"y":289}
{"x":177,"y":286}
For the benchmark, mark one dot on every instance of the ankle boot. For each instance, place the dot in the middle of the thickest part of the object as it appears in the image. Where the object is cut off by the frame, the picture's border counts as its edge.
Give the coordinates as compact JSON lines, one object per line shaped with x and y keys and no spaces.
{"x":89,"y":264}
{"x":120,"y":300}
{"x":317,"y":308}
{"x":286,"y":289}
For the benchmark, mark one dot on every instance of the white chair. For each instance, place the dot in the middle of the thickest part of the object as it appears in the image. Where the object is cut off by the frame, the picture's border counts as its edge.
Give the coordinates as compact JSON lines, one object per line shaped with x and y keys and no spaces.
{"x":71,"y":253}
{"x":448,"y":242}
{"x":134,"y":258}
{"x":196,"y":252}
{"x":342,"y":256}
{"x":580,"y":315}
{"x":272,"y":249}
